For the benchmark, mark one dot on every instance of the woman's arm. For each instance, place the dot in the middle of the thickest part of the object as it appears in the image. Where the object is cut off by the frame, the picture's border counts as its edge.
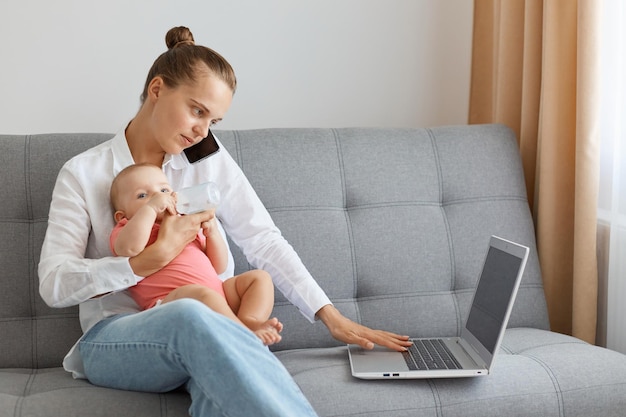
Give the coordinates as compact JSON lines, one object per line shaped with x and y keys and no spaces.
{"x":250,"y":226}
{"x":75,"y":263}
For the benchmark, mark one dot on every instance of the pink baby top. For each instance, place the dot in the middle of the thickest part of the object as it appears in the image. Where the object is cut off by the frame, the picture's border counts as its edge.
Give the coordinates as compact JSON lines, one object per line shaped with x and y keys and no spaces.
{"x":191,"y":266}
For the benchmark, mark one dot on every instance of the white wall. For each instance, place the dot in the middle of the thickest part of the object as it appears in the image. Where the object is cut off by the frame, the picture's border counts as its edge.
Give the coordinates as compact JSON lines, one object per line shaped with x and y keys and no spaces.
{"x":79,"y":66}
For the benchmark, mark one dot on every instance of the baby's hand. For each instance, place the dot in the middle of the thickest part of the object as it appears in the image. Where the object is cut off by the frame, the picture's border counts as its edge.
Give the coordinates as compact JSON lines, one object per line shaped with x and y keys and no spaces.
{"x":163,"y":202}
{"x":209,"y":227}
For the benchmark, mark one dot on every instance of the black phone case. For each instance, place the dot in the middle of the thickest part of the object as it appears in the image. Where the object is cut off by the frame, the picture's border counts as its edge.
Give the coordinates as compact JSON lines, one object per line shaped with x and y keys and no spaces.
{"x":203,"y":149}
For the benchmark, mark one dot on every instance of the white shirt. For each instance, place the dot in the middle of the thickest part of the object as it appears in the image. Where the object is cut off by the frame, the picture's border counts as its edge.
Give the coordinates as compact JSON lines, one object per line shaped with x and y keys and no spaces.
{"x":76,"y":261}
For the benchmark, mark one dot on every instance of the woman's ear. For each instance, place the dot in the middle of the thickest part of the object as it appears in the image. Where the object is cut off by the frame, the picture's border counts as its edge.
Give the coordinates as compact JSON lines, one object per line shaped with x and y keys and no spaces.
{"x":119,"y":215}
{"x":155,"y":87}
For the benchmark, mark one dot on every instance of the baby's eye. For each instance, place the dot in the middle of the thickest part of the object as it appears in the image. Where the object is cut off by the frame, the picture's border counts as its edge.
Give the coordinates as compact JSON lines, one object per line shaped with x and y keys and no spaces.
{"x":165,"y":190}
{"x":142,"y":195}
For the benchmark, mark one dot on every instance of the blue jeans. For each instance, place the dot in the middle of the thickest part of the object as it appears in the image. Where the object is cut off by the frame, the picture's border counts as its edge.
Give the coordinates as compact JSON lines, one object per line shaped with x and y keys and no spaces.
{"x":225,"y":367}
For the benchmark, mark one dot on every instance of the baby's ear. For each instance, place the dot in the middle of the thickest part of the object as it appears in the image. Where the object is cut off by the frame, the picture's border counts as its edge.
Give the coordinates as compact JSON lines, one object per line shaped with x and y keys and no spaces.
{"x":119,"y":215}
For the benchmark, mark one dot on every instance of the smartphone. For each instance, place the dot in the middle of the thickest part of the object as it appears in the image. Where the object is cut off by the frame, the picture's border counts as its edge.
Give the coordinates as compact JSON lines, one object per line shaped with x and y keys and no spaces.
{"x":203,"y":149}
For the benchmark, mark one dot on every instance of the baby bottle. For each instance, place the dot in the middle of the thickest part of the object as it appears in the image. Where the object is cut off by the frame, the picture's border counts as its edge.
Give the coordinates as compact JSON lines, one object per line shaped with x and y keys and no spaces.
{"x":198,"y":198}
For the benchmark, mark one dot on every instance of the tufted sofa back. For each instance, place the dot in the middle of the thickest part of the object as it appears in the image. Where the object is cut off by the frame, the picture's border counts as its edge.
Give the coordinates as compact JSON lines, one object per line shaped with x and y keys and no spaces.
{"x":32,"y":335}
{"x":393,"y":223}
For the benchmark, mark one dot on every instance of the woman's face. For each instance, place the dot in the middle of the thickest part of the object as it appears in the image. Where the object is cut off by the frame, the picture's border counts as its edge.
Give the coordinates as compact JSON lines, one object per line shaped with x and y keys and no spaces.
{"x":181,"y":116}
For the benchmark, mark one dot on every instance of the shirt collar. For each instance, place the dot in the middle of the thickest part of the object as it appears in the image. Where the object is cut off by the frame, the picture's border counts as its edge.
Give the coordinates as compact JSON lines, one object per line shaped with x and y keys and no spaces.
{"x":123,"y":158}
{"x":121,"y":152}
{"x":176,"y":161}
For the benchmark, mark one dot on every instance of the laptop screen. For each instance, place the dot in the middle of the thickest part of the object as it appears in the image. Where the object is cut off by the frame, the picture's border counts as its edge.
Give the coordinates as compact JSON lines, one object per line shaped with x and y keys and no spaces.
{"x":492,"y":296}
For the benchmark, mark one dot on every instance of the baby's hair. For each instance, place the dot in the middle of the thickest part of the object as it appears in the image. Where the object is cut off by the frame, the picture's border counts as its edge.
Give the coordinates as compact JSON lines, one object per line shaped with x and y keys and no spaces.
{"x":115,"y":185}
{"x":184,"y":60}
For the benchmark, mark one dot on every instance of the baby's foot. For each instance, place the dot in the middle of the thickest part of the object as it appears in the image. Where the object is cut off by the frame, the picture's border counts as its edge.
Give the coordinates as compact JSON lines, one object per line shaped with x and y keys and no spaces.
{"x":273,"y":322}
{"x":269,"y":332}
{"x":268,"y":336}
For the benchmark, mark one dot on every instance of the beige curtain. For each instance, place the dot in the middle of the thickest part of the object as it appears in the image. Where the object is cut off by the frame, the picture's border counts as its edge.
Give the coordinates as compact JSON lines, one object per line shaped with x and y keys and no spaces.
{"x":535,"y":69}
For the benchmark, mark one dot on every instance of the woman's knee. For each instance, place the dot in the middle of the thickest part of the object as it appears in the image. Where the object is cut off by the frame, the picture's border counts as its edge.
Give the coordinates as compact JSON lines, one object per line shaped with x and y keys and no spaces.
{"x":188,"y":313}
{"x":197,"y":326}
{"x":186,"y":310}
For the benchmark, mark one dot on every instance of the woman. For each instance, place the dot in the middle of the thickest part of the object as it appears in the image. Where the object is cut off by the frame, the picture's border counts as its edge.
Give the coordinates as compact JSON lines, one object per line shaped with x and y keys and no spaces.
{"x":188,"y":89}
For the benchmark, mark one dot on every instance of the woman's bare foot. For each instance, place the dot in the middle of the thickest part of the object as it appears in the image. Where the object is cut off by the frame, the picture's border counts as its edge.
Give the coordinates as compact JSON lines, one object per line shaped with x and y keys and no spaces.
{"x":269,"y":332}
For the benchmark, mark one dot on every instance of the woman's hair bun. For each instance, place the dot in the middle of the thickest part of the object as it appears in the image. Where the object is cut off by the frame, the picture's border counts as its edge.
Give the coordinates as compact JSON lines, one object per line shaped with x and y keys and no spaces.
{"x":177,"y":36}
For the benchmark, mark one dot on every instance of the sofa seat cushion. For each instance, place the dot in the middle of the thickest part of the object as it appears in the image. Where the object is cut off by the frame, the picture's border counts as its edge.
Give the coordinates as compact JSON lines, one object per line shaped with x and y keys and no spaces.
{"x":53,"y":392}
{"x":532,"y":376}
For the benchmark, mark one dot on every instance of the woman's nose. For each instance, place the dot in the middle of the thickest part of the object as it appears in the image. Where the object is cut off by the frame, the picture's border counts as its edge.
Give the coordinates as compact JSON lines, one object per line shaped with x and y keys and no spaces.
{"x":202,"y":129}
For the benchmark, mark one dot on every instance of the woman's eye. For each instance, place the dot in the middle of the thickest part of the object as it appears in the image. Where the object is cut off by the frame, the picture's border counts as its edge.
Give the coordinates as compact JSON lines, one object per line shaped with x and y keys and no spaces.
{"x":198,"y":111}
{"x":214,"y":122}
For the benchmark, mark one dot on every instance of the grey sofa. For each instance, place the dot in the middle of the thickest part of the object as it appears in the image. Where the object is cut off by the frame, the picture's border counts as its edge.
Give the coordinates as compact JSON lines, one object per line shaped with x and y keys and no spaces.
{"x":392,"y":222}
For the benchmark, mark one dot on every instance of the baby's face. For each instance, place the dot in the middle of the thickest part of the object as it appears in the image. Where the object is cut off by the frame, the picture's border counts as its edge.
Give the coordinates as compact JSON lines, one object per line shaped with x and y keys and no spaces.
{"x":139,"y":186}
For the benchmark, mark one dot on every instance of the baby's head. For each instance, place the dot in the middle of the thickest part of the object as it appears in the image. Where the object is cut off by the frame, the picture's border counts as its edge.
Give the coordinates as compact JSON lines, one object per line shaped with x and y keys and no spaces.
{"x":133,"y":186}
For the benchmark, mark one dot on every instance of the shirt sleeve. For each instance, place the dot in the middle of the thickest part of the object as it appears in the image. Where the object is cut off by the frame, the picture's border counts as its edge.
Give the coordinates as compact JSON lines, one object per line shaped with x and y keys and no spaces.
{"x":66,"y":276}
{"x":250,"y":226}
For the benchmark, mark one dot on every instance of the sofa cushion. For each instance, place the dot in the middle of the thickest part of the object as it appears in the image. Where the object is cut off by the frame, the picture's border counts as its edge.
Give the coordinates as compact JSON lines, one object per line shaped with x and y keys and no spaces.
{"x":53,"y":392}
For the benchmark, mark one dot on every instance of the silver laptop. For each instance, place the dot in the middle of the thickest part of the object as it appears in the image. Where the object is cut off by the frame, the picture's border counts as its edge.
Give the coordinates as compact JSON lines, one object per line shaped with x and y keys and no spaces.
{"x":472,"y":353}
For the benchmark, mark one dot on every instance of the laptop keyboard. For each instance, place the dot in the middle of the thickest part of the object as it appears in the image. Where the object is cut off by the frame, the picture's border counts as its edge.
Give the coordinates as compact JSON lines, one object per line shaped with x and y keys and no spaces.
{"x":429,"y":354}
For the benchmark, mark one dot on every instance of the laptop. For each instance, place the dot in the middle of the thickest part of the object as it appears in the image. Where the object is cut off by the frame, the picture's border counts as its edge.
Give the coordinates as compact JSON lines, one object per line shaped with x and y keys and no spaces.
{"x":473,"y":352}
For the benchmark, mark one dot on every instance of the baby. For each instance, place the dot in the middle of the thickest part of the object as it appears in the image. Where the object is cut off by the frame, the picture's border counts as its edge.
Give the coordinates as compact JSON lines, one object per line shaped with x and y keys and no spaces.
{"x":141,"y":196}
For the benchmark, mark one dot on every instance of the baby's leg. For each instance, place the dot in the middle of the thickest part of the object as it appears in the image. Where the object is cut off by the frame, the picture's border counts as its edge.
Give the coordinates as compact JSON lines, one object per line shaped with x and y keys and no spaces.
{"x":209,"y":297}
{"x":251,"y":296}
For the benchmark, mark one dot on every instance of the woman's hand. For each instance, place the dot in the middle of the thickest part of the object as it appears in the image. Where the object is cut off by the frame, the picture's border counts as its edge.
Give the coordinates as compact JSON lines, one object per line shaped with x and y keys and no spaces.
{"x":174,"y":234}
{"x":347,"y":331}
{"x":178,"y":231}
